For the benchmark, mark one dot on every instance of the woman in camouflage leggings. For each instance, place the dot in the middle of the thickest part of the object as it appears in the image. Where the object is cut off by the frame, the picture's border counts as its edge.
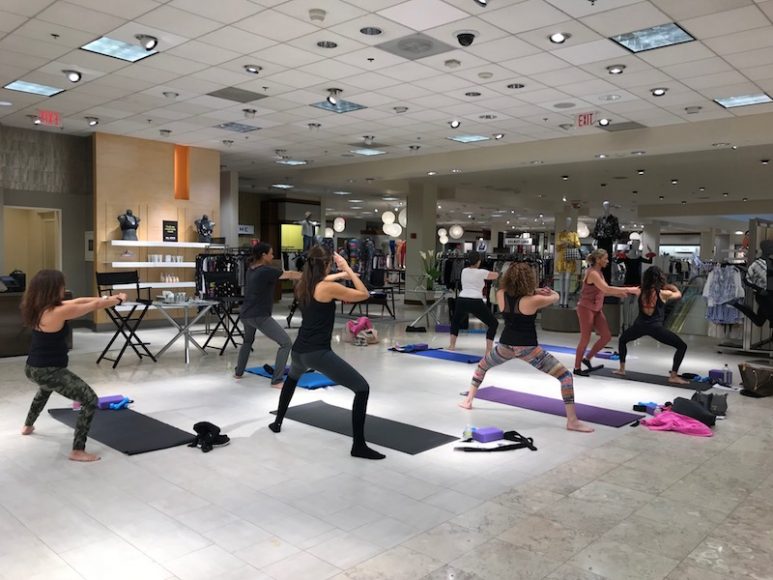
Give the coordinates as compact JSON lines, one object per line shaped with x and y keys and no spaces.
{"x":45,"y":311}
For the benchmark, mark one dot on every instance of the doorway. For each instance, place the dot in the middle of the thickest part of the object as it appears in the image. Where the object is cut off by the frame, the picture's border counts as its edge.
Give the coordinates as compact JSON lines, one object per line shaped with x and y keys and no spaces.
{"x":32,"y":239}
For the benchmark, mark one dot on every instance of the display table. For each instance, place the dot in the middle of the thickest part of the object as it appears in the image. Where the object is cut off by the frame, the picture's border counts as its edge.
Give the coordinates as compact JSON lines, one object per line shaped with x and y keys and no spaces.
{"x":559,"y":319}
{"x":184,"y":329}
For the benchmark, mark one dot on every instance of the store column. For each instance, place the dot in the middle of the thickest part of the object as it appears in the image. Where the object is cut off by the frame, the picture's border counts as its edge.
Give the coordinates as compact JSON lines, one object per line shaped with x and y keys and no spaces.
{"x":708,"y":246}
{"x":650,"y":240}
{"x":229,"y":207}
{"x":421,"y":210}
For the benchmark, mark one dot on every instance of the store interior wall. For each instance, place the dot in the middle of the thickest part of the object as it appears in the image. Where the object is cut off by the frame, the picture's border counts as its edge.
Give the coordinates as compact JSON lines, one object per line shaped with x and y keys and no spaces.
{"x":47,"y":170}
{"x":32,"y":239}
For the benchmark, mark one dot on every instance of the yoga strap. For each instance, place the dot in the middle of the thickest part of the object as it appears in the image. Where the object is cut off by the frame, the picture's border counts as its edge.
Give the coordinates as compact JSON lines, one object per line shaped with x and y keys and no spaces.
{"x":520,"y":442}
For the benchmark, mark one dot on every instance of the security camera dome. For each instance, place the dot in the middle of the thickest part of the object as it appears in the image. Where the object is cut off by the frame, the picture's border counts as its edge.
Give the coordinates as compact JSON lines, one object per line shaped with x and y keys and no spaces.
{"x":466,"y":37}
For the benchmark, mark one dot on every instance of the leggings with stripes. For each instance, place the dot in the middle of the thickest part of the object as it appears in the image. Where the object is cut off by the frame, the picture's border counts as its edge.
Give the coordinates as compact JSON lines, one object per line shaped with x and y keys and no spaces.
{"x":536,"y":357}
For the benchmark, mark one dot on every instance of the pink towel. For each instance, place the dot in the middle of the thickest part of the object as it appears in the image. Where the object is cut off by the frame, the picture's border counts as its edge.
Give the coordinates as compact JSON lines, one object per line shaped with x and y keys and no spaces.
{"x":670,"y":421}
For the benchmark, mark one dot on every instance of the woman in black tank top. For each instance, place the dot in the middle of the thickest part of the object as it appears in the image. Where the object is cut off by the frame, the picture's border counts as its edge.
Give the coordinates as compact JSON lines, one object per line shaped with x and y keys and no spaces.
{"x":519,"y":300}
{"x":44,"y":310}
{"x":316,"y":293}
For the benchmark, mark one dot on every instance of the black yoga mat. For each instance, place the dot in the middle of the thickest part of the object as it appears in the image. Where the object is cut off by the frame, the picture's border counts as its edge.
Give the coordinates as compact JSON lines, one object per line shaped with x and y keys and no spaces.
{"x":379,"y":431}
{"x":127,"y":431}
{"x":652,"y":379}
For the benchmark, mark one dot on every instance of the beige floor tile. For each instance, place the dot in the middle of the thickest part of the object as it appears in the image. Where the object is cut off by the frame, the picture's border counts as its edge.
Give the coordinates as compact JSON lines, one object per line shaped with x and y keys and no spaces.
{"x":571,"y":572}
{"x":497,"y":560}
{"x":665,"y":510}
{"x":399,"y":563}
{"x":623,"y":562}
{"x":664,"y":538}
{"x":527,"y":498}
{"x":452,"y":573}
{"x":687,"y":571}
{"x":551,"y":539}
{"x":447,"y":541}
{"x":571,"y":476}
{"x":489,"y":519}
{"x":729,"y":557}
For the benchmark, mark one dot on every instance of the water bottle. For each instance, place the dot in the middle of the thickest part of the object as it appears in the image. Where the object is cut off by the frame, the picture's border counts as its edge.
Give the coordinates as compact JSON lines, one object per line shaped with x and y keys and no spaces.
{"x":728,"y":378}
{"x":467,"y":433}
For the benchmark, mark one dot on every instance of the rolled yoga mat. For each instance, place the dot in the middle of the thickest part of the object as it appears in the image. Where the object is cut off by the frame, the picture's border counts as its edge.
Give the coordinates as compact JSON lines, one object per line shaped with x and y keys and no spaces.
{"x":379,"y":431}
{"x":589,"y":413}
{"x":128,"y":431}
{"x":313,"y":380}
{"x":652,"y":379}
{"x":450,"y":355}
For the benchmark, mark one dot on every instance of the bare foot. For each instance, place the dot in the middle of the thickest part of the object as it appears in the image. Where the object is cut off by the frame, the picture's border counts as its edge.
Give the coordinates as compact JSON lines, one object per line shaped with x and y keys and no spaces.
{"x":677,"y":380}
{"x":80,"y":455}
{"x":27,"y":429}
{"x":619,"y":373}
{"x":451,"y":347}
{"x":578,"y":426}
{"x":465,"y":405}
{"x":277,"y":385}
{"x":237,"y":377}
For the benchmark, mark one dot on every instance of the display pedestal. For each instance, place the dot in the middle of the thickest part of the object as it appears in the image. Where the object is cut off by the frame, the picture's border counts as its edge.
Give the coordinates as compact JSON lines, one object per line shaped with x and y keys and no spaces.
{"x":558,"y":319}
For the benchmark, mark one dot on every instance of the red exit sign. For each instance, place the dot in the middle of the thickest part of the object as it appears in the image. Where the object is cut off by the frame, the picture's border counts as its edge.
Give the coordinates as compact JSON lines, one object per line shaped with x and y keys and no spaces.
{"x":585,"y":119}
{"x":49,"y":118}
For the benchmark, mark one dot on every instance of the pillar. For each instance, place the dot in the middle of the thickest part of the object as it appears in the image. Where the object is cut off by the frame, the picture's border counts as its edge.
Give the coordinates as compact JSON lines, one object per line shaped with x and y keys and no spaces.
{"x":229,"y":207}
{"x":650,"y":240}
{"x":708,"y":248}
{"x":421,"y":208}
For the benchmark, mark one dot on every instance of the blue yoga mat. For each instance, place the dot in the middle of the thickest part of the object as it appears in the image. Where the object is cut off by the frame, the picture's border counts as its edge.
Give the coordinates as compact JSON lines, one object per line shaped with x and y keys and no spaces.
{"x":450,"y":355}
{"x":312,"y":380}
{"x":570,"y":350}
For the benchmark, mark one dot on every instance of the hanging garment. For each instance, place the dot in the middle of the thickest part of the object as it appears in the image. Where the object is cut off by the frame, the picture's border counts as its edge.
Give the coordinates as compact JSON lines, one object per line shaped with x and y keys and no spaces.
{"x":568,"y":254}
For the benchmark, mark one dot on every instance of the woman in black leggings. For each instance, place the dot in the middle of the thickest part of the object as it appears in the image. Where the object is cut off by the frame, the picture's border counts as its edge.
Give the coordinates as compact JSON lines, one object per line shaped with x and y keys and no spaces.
{"x":317,"y":292}
{"x":470,"y":301}
{"x":652,"y":305}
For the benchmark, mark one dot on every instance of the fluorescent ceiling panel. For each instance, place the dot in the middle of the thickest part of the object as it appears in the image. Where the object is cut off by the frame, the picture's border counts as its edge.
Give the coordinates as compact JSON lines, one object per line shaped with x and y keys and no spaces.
{"x":341,"y":106}
{"x":237,"y":127}
{"x":367,"y":152}
{"x":118,"y":49}
{"x":743,"y":100}
{"x":653,"y":37}
{"x":33,"y":88}
{"x":292,"y":162}
{"x":468,"y":138}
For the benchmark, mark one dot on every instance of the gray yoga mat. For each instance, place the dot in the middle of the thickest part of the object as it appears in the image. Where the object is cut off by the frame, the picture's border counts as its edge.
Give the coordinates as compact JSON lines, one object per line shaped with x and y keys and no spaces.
{"x":651,"y":379}
{"x":589,"y":413}
{"x":379,"y":431}
{"x":127,"y":431}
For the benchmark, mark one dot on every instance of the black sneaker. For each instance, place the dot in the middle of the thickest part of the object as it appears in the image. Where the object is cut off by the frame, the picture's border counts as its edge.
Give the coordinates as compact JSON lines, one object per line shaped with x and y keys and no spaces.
{"x":221,"y":441}
{"x":581,"y":373}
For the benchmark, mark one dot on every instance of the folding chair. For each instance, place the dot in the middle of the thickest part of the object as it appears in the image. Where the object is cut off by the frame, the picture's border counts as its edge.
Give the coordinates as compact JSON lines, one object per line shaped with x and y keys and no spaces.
{"x":224,"y":287}
{"x":128,"y":319}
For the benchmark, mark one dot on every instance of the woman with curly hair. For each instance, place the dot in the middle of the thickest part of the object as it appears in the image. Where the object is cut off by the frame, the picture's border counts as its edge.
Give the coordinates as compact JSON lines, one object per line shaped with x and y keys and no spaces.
{"x":44,"y":309}
{"x":519,"y":300}
{"x":589,"y":310}
{"x":652,"y":306}
{"x":317,"y":292}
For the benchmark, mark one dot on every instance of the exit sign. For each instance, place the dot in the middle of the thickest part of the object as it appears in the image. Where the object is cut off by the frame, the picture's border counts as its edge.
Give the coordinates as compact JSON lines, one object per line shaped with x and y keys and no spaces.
{"x":585,"y":119}
{"x":49,"y":118}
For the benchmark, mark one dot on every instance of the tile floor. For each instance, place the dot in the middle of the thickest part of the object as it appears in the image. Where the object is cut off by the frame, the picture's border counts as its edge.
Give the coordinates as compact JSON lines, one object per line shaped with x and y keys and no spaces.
{"x":616,"y":504}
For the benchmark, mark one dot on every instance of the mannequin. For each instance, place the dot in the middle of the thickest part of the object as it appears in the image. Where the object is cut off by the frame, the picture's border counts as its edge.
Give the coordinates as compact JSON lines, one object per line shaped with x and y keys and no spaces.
{"x":307,"y":230}
{"x":567,"y":256}
{"x":606,"y":231}
{"x":759,"y":277}
{"x":129,"y":224}
{"x":633,"y":270}
{"x":204,"y":227}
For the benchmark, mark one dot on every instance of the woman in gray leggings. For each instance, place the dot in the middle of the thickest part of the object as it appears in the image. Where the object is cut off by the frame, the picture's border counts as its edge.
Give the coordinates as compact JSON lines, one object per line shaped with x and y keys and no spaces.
{"x":317,"y":293}
{"x":46,"y":312}
{"x":257,"y":308}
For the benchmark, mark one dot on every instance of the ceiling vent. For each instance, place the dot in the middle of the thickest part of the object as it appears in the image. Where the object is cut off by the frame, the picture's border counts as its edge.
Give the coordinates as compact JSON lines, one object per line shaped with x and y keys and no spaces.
{"x":415,"y":46}
{"x":238,"y":95}
{"x":627,"y":126}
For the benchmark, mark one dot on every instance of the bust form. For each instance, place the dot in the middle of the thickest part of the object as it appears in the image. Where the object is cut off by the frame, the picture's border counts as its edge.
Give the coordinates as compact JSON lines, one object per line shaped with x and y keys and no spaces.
{"x":129,"y":224}
{"x":204,"y":227}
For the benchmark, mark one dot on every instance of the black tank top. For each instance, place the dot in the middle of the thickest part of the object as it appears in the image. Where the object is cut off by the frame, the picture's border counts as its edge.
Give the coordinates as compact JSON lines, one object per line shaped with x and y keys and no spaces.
{"x":48,"y":349}
{"x":657,"y":316}
{"x":520,"y":329}
{"x":317,"y":326}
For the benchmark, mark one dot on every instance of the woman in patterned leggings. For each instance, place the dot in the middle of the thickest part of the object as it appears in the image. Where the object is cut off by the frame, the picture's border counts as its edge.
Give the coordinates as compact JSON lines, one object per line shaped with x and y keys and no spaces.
{"x":519,"y":300}
{"x":44,"y":310}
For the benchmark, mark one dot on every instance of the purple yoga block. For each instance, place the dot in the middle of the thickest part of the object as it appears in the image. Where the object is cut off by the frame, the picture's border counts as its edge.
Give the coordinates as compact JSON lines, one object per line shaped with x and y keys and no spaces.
{"x":721,"y":376}
{"x":487,"y":434}
{"x":104,"y":402}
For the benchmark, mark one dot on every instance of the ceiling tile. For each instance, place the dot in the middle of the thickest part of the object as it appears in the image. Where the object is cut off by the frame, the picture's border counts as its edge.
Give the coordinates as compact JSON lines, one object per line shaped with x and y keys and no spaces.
{"x":686,"y":52}
{"x":442,"y":83}
{"x":726,"y":22}
{"x":236,"y":39}
{"x":405,"y":91}
{"x":25,"y":7}
{"x":579,"y":9}
{"x":749,"y":58}
{"x":178,"y":22}
{"x":80,"y":18}
{"x":225,"y":11}
{"x":524,"y":16}
{"x":120,"y":8}
{"x":22,"y":45}
{"x":276,"y":26}
{"x":309,"y":43}
{"x":286,"y":56}
{"x":681,"y":10}
{"x":9,"y":21}
{"x":563,"y":76}
{"x":409,"y":71}
{"x":590,"y":52}
{"x":330,"y":69}
{"x":742,"y":41}
{"x":536,"y":63}
{"x":580,"y":34}
{"x":759,"y":73}
{"x":203,"y":53}
{"x":467,"y":61}
{"x":371,"y":81}
{"x":337,"y":11}
{"x":626,"y":19}
{"x":423,"y":14}
{"x":174,"y":64}
{"x":297,"y":79}
{"x":715,"y":80}
{"x":390,"y":30}
{"x":697,"y":68}
{"x":652,"y":78}
{"x":743,"y":88}
{"x":503,"y":48}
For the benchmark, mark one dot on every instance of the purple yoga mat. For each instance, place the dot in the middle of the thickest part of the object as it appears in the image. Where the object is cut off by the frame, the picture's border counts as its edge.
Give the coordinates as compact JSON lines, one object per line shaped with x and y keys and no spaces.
{"x":598,"y":415}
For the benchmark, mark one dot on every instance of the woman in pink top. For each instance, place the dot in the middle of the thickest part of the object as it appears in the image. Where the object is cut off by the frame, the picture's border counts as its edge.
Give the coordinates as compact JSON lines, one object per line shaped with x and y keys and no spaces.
{"x":589,"y":309}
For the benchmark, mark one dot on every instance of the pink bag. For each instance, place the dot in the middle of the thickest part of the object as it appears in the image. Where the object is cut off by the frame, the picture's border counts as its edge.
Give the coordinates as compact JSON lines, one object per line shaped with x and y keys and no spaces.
{"x":355,"y":327}
{"x":670,"y":421}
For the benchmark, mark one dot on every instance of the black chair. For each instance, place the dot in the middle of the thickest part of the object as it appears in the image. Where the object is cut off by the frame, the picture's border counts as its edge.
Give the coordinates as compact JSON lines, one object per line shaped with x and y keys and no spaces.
{"x":127,"y":320}
{"x":224,"y":287}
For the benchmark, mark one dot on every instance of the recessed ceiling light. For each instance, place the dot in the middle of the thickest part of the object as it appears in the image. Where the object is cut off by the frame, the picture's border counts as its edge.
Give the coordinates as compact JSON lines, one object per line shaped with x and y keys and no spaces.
{"x":616,"y":69}
{"x":455,"y":124}
{"x":483,"y":3}
{"x":468,"y":138}
{"x":371,"y":30}
{"x":653,"y":37}
{"x":738,"y":232}
{"x":638,"y":152}
{"x":536,"y":162}
{"x":498,"y":136}
{"x":456,"y":171}
{"x":35,"y":119}
{"x":565,"y":177}
{"x":743,"y":100}
{"x":661,"y":197}
{"x":355,"y":207}
{"x":763,"y":161}
{"x":118,"y":49}
{"x":327,"y":44}
{"x":609,"y":98}
{"x":92,"y":121}
{"x":559,"y":37}
{"x":725,"y":194}
{"x":282,"y":186}
{"x":147,"y":41}
{"x":565,"y":126}
{"x":720,"y":145}
{"x":400,"y":109}
{"x":516,"y":86}
{"x":414,"y":147}
{"x":228,"y":142}
{"x":430,"y":173}
{"x":390,"y":198}
{"x":72,"y":75}
{"x":367,"y":152}
{"x":253,"y":68}
{"x":601,"y":156}
{"x":170,"y":94}
{"x":33,"y":88}
{"x":691,"y":110}
{"x":472,"y":94}
{"x":674,"y":181}
{"x":684,"y":202}
{"x":744,"y":199}
{"x":658,"y":91}
{"x":485,"y":75}
{"x":165,"y":132}
{"x":249,"y":113}
{"x":604,"y":122}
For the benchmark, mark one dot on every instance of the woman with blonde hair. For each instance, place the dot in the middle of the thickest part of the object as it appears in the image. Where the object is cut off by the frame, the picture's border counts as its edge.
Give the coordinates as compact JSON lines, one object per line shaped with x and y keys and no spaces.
{"x":45,"y":310}
{"x":519,"y":300}
{"x":589,"y":310}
